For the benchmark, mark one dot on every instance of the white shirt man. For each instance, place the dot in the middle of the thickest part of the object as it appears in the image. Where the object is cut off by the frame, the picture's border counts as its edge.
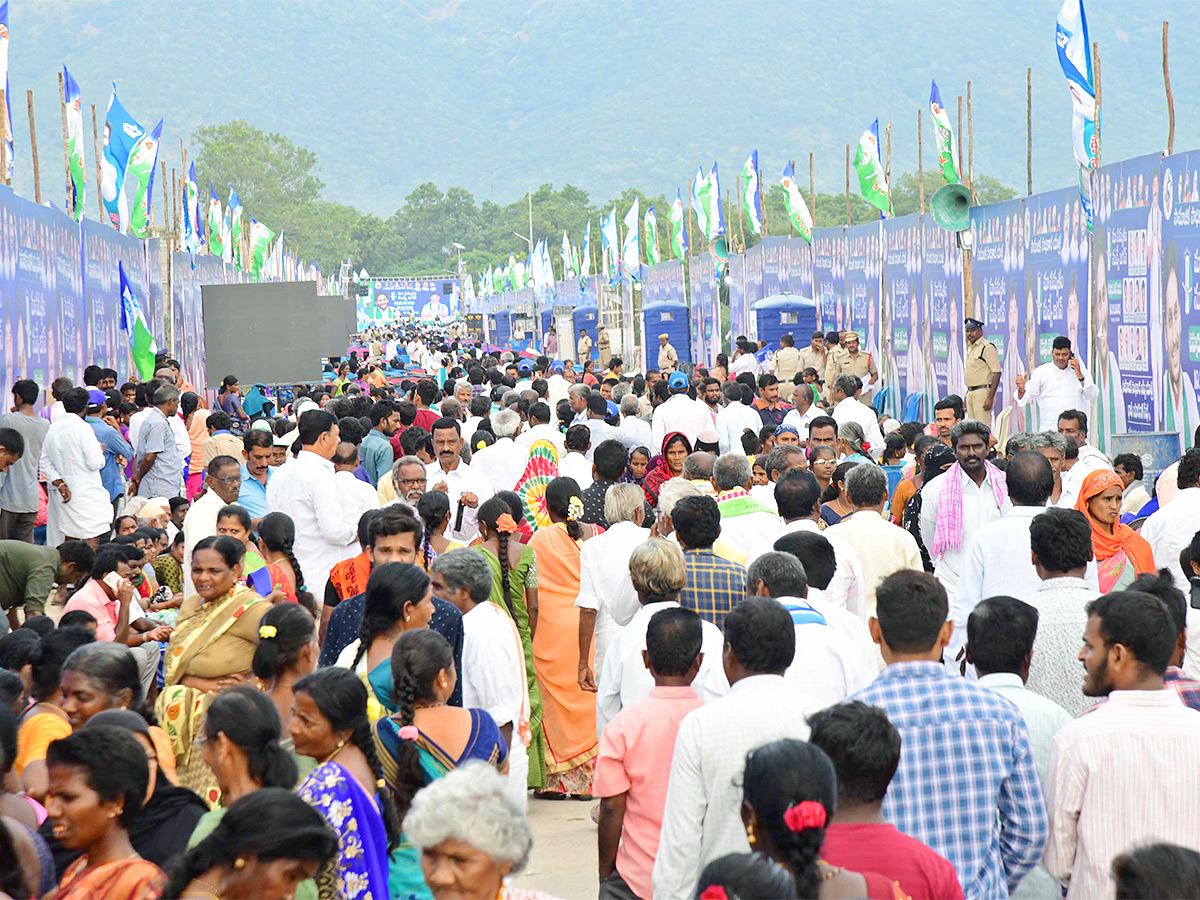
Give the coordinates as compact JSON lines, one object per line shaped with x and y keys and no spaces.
{"x":625,"y":680}
{"x":605,"y":585}
{"x":635,"y":431}
{"x":800,"y":420}
{"x":744,"y":362}
{"x":1168,"y":531}
{"x":72,"y":454}
{"x":307,"y":491}
{"x":503,"y":463}
{"x":679,"y":413}
{"x":576,"y":465}
{"x":829,"y":666}
{"x":541,"y":432}
{"x":732,"y":421}
{"x":979,"y":507}
{"x":358,"y":496}
{"x":746,"y":524}
{"x":847,"y":589}
{"x":1090,"y":460}
{"x":494,"y":679}
{"x":849,"y":409}
{"x":1055,"y":390}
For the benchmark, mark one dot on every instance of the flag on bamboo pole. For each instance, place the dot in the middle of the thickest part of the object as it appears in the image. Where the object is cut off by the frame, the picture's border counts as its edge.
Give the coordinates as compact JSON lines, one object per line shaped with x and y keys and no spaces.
{"x":8,"y":131}
{"x":142,"y":346}
{"x":235,"y":228}
{"x":871,"y":178}
{"x":585,"y":262}
{"x":568,"y":260}
{"x":227,"y":234}
{"x":698,"y":206}
{"x":193,"y":234}
{"x":141,"y":169}
{"x":260,"y":240}
{"x":947,"y":152}
{"x":751,"y":199}
{"x":610,"y":247}
{"x":121,"y":135}
{"x":793,"y":200}
{"x":650,"y":226}
{"x":631,"y":254}
{"x":1075,"y":57}
{"x":510,"y":274}
{"x":216,"y":224}
{"x":274,"y":264}
{"x":77,"y":178}
{"x":678,"y":232}
{"x":710,"y":199}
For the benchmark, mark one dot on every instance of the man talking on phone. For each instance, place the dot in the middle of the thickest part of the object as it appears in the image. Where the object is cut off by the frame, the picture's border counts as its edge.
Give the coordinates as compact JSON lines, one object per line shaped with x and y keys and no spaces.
{"x":1061,"y":384}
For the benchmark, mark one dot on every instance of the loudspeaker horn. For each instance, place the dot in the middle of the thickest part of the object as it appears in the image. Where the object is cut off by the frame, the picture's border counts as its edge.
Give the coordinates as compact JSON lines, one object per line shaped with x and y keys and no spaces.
{"x":719,"y":249}
{"x":951,"y":207}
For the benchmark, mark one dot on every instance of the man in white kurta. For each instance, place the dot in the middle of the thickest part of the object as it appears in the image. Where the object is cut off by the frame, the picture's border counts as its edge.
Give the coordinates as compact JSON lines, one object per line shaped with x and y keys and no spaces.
{"x":1061,"y":384}
{"x":71,"y":461}
{"x":679,"y":413}
{"x":462,"y":484}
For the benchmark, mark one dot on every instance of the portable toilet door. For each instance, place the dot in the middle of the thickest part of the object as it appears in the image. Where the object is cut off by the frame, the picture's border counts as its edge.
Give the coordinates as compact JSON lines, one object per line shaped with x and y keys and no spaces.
{"x":785,"y":314}
{"x":671,"y":318}
{"x":585,"y":317}
{"x":545,"y":319}
{"x":500,"y":327}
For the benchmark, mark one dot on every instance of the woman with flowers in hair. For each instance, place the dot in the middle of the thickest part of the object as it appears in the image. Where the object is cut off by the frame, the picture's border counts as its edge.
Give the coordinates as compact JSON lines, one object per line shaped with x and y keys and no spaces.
{"x":569,"y":717}
{"x":426,"y":738}
{"x":515,"y":590}
{"x":789,"y":794}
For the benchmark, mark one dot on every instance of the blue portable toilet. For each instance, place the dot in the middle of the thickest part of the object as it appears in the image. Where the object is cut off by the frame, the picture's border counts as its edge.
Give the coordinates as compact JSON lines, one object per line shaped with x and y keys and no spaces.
{"x":671,"y":318}
{"x":782,"y":314}
{"x":545,"y":319}
{"x":584,"y":317}
{"x":500,"y":327}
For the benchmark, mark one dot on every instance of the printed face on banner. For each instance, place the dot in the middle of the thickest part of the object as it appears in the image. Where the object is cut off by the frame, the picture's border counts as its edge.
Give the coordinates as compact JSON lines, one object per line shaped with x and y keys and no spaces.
{"x":996,"y":286}
{"x":1178,"y":229}
{"x":1057,"y":272}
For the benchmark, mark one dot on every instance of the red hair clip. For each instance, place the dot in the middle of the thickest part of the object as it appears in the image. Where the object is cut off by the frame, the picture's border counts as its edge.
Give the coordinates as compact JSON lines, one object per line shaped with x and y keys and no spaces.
{"x":804,"y":815}
{"x":714,"y":892}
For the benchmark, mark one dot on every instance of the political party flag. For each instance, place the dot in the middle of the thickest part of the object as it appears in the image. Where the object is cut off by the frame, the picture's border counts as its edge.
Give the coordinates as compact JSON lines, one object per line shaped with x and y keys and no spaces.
{"x":678,"y":233}
{"x":793,"y":200}
{"x":141,"y":169}
{"x":871,"y":179}
{"x":631,"y":255}
{"x":142,"y":346}
{"x":227,"y":234}
{"x":947,"y":154}
{"x":469,"y":290}
{"x":710,"y":199}
{"x":192,"y":232}
{"x":260,"y":240}
{"x":610,"y":246}
{"x":235,"y":228}
{"x":77,"y":178}
{"x":650,"y":225}
{"x":121,"y":136}
{"x":510,"y":274}
{"x":750,"y":196}
{"x":567,"y":257}
{"x":698,"y":205}
{"x":275,"y":261}
{"x":8,"y":132}
{"x":1075,"y":57}
{"x":585,"y":263}
{"x":216,"y":245}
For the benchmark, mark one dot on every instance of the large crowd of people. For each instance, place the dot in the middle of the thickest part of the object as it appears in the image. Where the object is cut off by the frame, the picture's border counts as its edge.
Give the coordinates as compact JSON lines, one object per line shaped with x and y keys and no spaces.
{"x":331,"y":640}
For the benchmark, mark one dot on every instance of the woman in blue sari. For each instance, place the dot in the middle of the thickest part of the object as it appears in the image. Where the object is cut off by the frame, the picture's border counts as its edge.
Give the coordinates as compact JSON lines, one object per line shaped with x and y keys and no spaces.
{"x":426,"y":738}
{"x":330,"y":725}
{"x":398,"y":598}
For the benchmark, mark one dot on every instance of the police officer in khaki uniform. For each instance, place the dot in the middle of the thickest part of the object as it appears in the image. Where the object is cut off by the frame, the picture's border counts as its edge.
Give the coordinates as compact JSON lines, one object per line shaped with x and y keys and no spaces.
{"x":668,"y":359}
{"x":981,"y":371}
{"x":583,"y":349}
{"x":603,"y":348}
{"x":851,"y":360}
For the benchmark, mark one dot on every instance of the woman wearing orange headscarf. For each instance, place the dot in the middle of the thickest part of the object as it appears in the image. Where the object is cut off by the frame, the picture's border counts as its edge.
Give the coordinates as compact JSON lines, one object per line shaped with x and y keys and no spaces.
{"x":1121,"y":553}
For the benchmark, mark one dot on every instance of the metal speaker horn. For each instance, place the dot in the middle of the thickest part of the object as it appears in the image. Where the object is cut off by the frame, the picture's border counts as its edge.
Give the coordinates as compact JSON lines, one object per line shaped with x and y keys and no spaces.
{"x":719,"y":249}
{"x":951,"y":207}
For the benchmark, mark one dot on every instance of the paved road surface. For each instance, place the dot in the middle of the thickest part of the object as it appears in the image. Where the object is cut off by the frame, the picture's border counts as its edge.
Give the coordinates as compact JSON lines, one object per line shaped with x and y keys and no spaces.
{"x":563,"y":863}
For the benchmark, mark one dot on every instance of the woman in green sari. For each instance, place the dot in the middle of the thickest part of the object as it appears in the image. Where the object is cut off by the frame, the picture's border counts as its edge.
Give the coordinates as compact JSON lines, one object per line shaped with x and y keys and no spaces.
{"x":211,"y":648}
{"x":514,"y":590}
{"x":425,"y":739}
{"x":399,"y":598}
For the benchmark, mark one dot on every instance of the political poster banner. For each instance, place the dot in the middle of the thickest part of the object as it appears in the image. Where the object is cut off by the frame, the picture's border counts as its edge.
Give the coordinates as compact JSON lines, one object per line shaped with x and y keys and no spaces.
{"x":1126,"y":351}
{"x":942,"y":325}
{"x":798,"y":256}
{"x":705,"y":317}
{"x":1056,"y":277}
{"x":72,"y":308}
{"x":37,"y":324}
{"x":774,"y":266}
{"x":738,"y":274}
{"x":997,"y":289}
{"x":743,"y":320}
{"x":900,"y":311}
{"x":861,"y":287}
{"x":828,"y":276}
{"x":392,"y":299}
{"x":11,"y":307}
{"x":1173,"y":242}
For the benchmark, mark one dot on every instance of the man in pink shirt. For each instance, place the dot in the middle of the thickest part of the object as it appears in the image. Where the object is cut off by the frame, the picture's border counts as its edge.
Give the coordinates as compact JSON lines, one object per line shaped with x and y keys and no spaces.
{"x":632,"y":769}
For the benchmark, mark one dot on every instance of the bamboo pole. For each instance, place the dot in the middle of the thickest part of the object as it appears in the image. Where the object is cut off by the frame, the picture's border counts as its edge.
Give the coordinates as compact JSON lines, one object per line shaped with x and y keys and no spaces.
{"x":887,"y":174}
{"x":687,"y":216}
{"x":847,"y":184}
{"x":37,"y":180}
{"x":62,"y":95}
{"x":1096,"y":69}
{"x":1170,"y":99}
{"x":921,"y":158}
{"x":958,"y":133}
{"x":1029,"y":131}
{"x":96,"y":154}
{"x":174,"y":208}
{"x":970,"y":147}
{"x":741,"y":224}
{"x":812,"y":192}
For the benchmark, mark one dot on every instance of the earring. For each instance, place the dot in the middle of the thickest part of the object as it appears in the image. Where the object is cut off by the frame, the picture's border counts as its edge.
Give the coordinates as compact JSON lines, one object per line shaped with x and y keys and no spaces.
{"x":750,"y":835}
{"x":239,"y":863}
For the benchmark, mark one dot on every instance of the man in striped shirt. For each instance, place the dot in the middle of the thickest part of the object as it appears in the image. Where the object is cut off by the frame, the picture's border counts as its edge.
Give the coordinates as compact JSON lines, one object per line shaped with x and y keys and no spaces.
{"x":1128,"y":772}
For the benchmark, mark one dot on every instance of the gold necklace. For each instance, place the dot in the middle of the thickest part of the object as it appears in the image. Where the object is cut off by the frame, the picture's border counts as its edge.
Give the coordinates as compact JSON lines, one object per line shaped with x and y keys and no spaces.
{"x":417,"y":706}
{"x":208,"y":887}
{"x":336,"y":750}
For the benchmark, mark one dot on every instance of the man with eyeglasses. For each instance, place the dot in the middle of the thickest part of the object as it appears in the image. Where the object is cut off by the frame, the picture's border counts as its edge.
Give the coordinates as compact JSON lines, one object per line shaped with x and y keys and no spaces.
{"x":222,"y":484}
{"x":409,"y":477}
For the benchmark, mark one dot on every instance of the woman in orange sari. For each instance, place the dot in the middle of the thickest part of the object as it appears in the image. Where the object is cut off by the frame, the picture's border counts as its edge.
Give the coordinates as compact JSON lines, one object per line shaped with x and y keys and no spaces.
{"x":1121,"y":553}
{"x":569,"y":714}
{"x":98,"y":779}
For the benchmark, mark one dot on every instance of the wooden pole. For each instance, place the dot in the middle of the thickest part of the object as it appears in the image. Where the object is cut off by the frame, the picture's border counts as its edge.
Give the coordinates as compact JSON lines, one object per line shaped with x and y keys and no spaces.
{"x":958,"y":133}
{"x":1029,"y":131}
{"x":1096,"y":69}
{"x":62,"y":95}
{"x":887,"y":174}
{"x":174,"y":208}
{"x":812,"y":191}
{"x":1170,"y":99}
{"x":847,"y":184}
{"x":96,"y":154}
{"x":921,"y":158}
{"x":4,"y":138}
{"x":37,"y":180}
{"x":741,"y":224}
{"x":687,"y":215}
{"x":970,"y":147}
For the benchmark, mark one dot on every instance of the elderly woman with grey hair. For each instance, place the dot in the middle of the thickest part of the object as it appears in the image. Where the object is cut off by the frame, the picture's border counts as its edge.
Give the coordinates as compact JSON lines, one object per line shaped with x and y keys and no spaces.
{"x":470,"y":836}
{"x":606,"y":596}
{"x":851,"y":440}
